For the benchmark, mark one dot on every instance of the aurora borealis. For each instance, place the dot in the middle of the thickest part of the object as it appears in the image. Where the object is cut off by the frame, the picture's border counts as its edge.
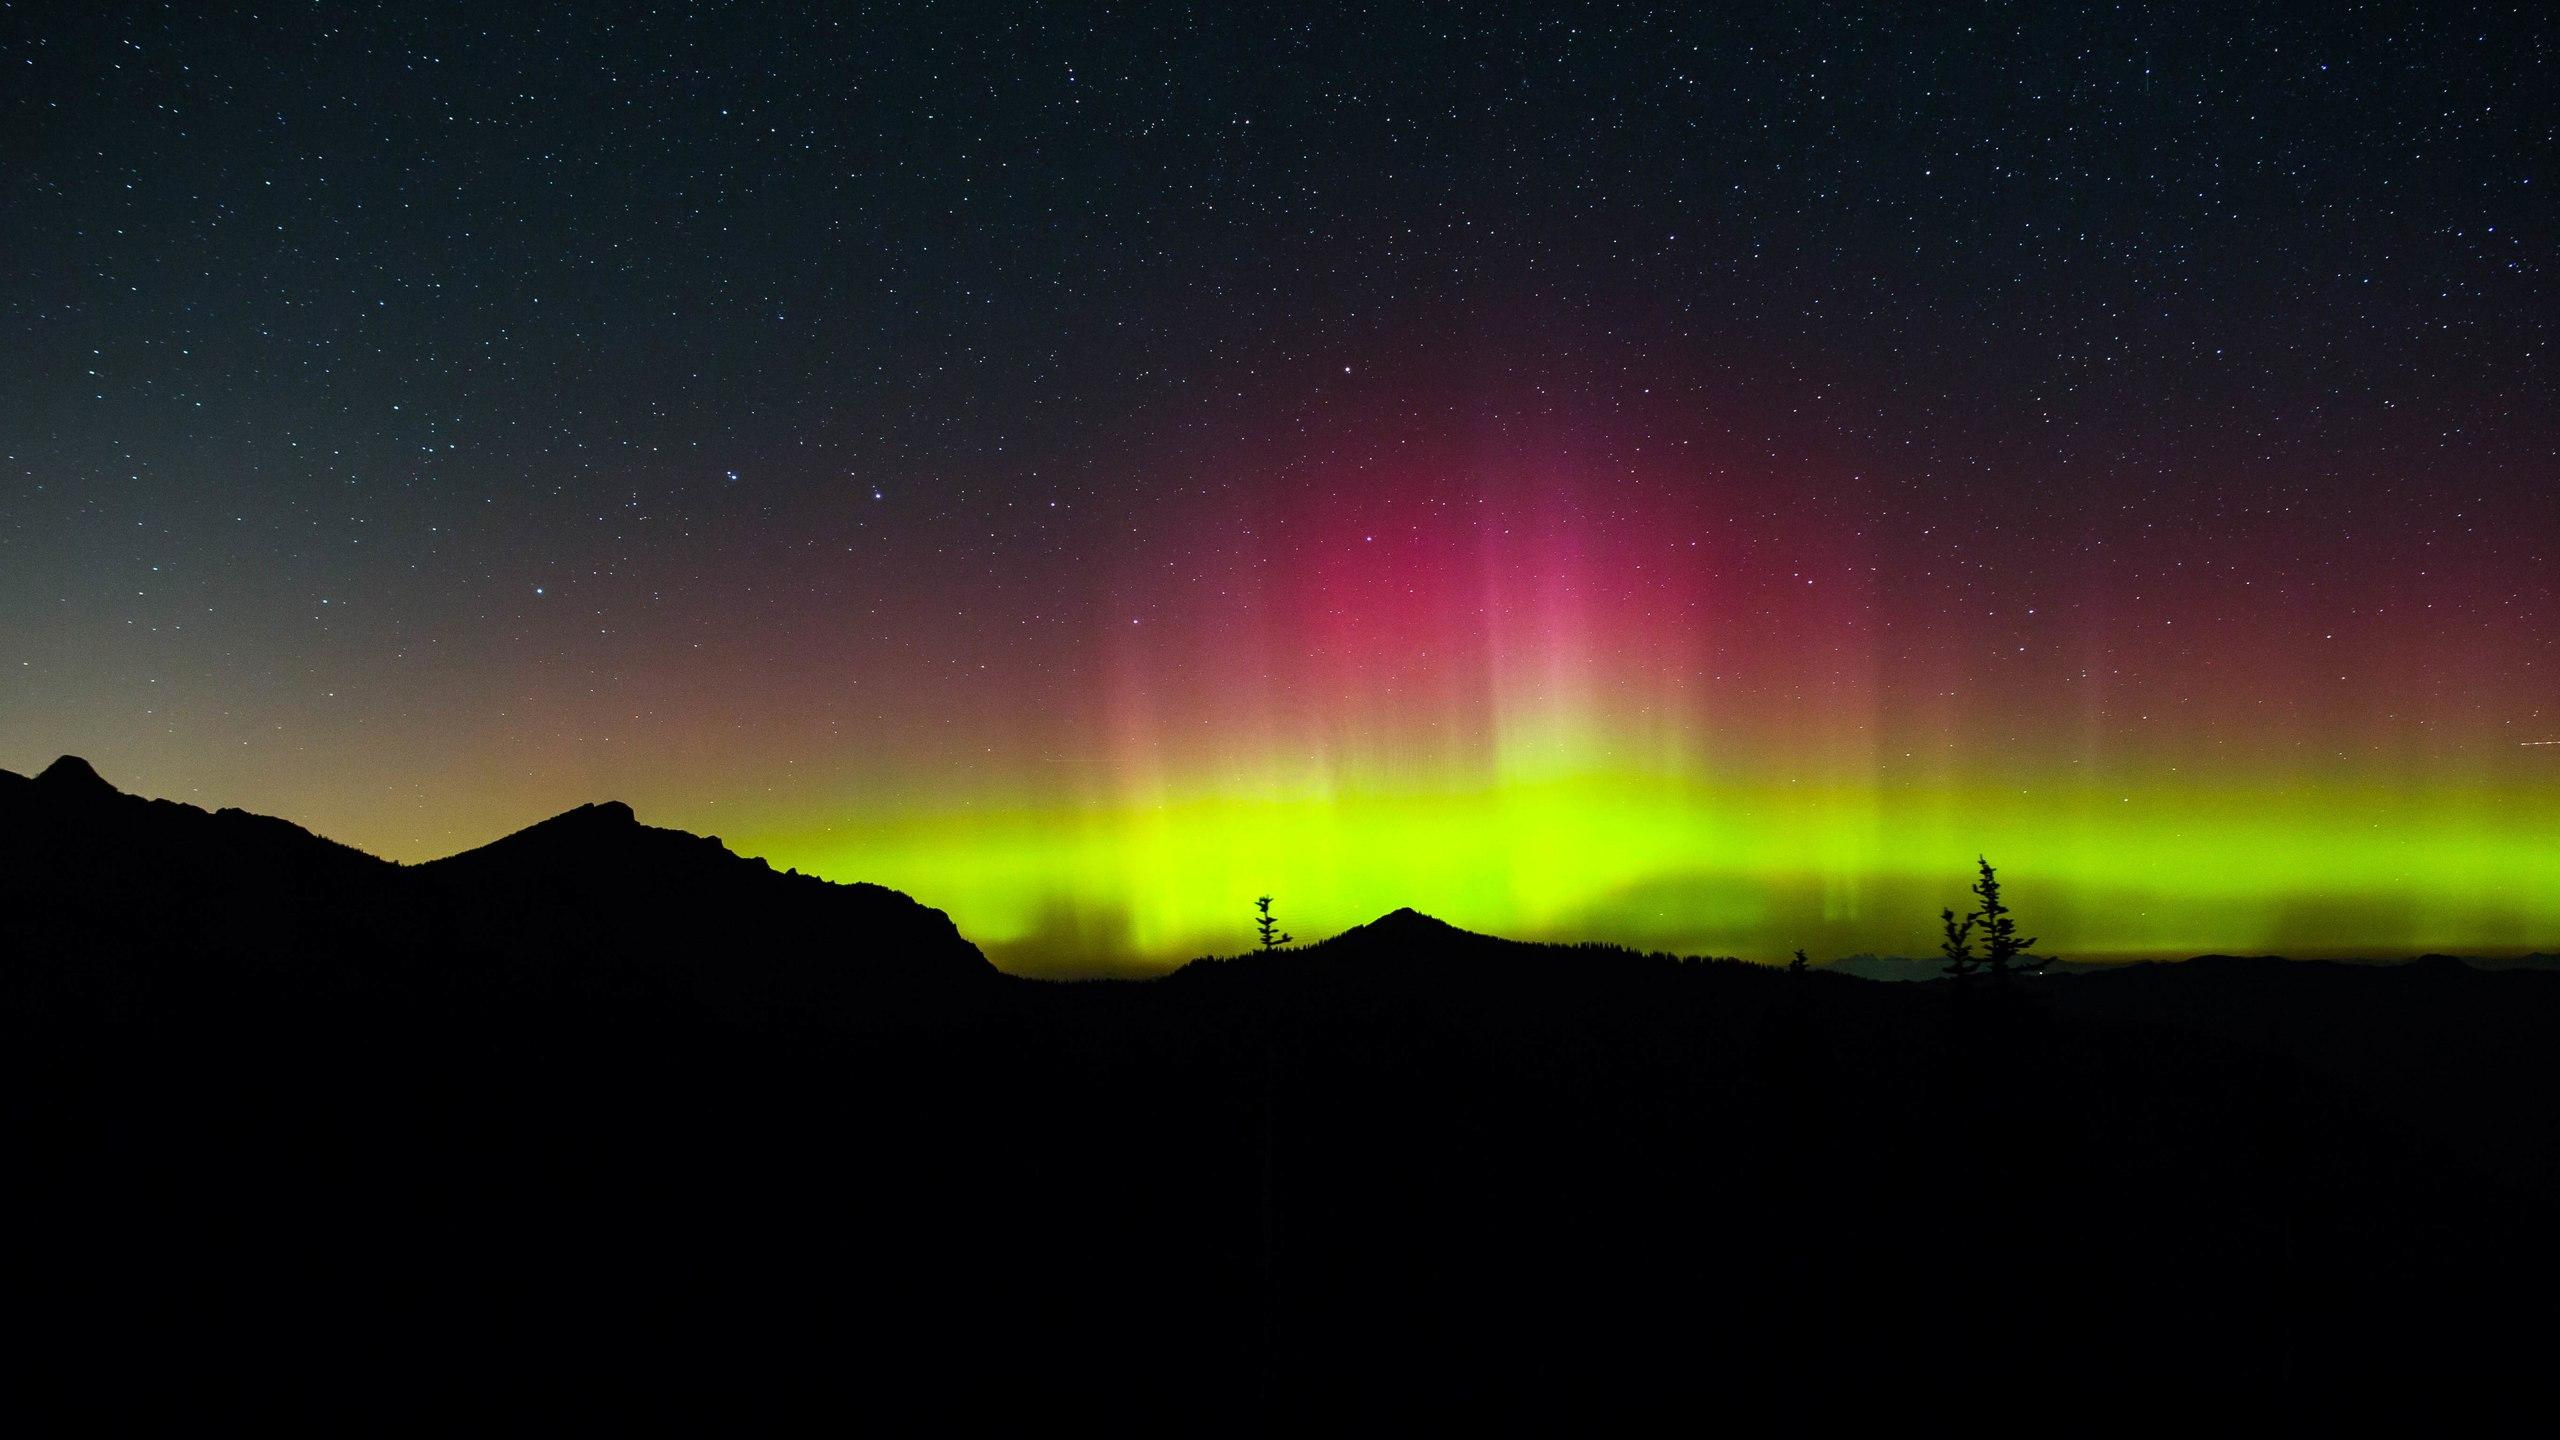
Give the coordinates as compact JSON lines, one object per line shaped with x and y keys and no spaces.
{"x":1686,"y":480}
{"x":1618,"y":711}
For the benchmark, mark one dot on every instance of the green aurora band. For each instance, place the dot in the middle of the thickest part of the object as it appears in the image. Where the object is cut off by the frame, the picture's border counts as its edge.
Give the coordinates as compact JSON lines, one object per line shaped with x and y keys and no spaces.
{"x":1703,"y":868}
{"x":1579,"y":723}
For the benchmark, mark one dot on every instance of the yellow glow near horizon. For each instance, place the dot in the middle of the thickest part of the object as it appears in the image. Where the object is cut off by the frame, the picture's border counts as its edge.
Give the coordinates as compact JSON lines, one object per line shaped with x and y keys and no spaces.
{"x":1696,"y":866}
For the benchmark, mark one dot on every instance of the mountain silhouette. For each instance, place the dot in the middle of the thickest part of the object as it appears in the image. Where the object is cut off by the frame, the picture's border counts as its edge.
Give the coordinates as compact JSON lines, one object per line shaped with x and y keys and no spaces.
{"x":585,"y":893}
{"x":1406,"y":947}
{"x":71,"y":775}
{"x":602,"y":1119}
{"x":1368,"y":954}
{"x":1407,"y":927}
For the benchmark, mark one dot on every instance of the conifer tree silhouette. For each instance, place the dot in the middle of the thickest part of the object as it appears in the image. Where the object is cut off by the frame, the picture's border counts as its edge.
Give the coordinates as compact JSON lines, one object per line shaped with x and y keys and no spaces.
{"x":1799,"y":965}
{"x":2003,"y":952}
{"x":1272,"y":939}
{"x":1958,"y":947}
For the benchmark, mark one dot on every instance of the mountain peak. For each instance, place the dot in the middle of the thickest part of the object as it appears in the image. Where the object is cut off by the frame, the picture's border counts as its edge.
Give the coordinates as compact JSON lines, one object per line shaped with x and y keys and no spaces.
{"x":1407,"y":915}
{"x":1407,"y":924}
{"x":600,"y":816}
{"x":72,"y":775}
{"x":586,"y":832}
{"x":603,"y":814}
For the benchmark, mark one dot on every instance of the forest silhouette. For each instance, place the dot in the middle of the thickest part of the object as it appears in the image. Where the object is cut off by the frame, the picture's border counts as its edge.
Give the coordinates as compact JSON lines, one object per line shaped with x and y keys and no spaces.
{"x":601,"y":1121}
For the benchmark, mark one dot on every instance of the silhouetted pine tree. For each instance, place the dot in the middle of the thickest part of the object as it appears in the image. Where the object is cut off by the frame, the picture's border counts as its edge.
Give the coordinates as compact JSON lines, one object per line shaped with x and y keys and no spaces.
{"x":1270,"y":928}
{"x":1799,"y":965}
{"x":2003,"y":953}
{"x":1958,"y":947}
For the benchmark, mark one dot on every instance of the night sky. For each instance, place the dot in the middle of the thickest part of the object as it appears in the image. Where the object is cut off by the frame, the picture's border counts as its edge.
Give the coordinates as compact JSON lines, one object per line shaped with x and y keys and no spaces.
{"x":1647,"y":474}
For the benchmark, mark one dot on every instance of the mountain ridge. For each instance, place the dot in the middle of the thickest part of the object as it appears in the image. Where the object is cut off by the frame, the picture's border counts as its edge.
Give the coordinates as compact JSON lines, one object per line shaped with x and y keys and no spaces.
{"x":589,"y":885}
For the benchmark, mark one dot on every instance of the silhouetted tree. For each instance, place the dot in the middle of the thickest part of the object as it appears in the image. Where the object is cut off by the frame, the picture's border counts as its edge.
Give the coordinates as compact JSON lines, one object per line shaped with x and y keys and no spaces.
{"x":1799,"y":965}
{"x":1272,"y":939}
{"x":1958,"y":946}
{"x":2003,"y":952}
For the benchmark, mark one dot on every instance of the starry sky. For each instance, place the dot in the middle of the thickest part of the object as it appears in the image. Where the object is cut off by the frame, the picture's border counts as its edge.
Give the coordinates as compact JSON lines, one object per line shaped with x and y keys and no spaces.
{"x":1679,"y":475}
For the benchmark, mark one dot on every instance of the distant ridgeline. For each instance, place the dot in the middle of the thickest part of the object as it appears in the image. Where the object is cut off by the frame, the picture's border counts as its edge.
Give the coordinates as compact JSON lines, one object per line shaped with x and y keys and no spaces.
{"x":92,"y":871}
{"x":1910,"y":968}
{"x":603,"y":1119}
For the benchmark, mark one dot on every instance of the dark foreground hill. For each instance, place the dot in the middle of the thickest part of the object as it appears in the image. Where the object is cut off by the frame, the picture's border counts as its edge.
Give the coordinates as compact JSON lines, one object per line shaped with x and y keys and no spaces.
{"x":601,"y":1123}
